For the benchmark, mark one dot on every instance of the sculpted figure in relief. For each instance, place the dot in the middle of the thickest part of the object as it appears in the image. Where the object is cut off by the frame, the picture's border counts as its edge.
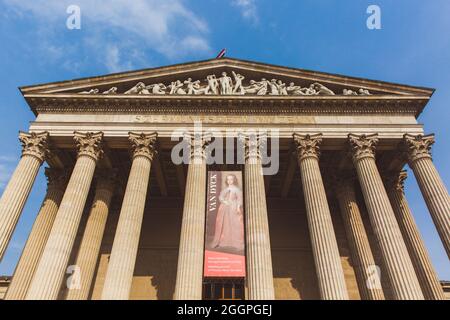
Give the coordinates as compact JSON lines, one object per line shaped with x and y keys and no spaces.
{"x":113,"y":90}
{"x":364,"y":92}
{"x":361,"y":92}
{"x":293,"y":89}
{"x":213,"y":85}
{"x":238,"y":87}
{"x":273,"y":88}
{"x":253,"y":88}
{"x":348,"y":92}
{"x":190,"y":86}
{"x":157,"y":88}
{"x":226,"y":84}
{"x":322,"y":90}
{"x":92,"y":91}
{"x":264,"y":84}
{"x":136,"y":89}
{"x":282,"y":88}
{"x":177,"y":88}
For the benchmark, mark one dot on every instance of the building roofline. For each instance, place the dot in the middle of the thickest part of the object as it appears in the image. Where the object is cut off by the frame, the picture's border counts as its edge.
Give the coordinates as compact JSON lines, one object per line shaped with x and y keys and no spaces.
{"x":32,"y":88}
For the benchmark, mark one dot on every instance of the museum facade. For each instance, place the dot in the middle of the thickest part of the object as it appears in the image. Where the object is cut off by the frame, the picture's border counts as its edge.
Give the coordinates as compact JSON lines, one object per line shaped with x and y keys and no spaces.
{"x":225,"y":179}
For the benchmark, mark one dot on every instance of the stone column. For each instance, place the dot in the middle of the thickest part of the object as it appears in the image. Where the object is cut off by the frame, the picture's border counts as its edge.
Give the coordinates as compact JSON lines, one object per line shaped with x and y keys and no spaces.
{"x":34,"y":151}
{"x":430,"y":183}
{"x":32,"y":252}
{"x":51,"y":269}
{"x":190,"y":254}
{"x":361,"y":254}
{"x":428,"y":279}
{"x":89,"y":250}
{"x":399,"y":268}
{"x":125,"y":247}
{"x":259,"y":255}
{"x":323,"y":239}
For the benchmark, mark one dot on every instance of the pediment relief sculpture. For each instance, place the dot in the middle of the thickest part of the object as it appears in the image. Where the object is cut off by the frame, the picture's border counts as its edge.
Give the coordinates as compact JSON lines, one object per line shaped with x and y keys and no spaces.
{"x":226,"y":85}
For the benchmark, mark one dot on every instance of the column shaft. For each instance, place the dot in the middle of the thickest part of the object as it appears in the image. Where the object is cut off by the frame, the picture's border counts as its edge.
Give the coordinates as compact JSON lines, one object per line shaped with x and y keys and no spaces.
{"x":37,"y":239}
{"x":428,"y":279}
{"x":403,"y":279}
{"x":89,"y":249}
{"x":52,"y":266}
{"x":433,"y":189}
{"x":323,"y":239}
{"x":19,"y":186}
{"x":190,"y":255}
{"x":126,"y":240}
{"x":363,"y":262}
{"x":259,"y":255}
{"x":436,"y":197}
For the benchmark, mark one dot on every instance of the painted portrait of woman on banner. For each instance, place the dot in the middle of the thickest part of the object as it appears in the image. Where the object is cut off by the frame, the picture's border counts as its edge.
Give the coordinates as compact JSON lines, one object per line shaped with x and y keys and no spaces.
{"x":229,"y":226}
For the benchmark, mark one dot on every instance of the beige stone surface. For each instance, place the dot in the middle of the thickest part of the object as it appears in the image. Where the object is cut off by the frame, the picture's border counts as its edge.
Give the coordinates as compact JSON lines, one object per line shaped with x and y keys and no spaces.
{"x":189,"y":278}
{"x":92,"y":236}
{"x":258,"y":253}
{"x":34,"y":247}
{"x":16,"y":192}
{"x":428,"y":279}
{"x":325,"y":249}
{"x":399,"y":268}
{"x":119,"y":276}
{"x":52,"y":266}
{"x":433,"y":188}
{"x":363,"y":262}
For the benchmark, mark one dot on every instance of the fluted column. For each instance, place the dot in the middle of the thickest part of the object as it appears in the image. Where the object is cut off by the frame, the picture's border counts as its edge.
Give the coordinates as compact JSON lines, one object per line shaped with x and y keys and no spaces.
{"x":34,"y":247}
{"x":323,"y":239}
{"x":190,"y":254}
{"x":259,"y":255}
{"x":34,"y":152}
{"x":433,"y":189}
{"x":89,"y":250}
{"x":363,"y":262}
{"x":125,"y":247}
{"x":428,"y":279}
{"x":399,"y":268}
{"x":50,"y":272}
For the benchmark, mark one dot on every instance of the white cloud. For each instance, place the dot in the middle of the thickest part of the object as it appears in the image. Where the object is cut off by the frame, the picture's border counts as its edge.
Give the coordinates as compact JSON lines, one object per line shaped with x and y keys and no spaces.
{"x":166,"y":27}
{"x":248,"y":9}
{"x":112,"y":60}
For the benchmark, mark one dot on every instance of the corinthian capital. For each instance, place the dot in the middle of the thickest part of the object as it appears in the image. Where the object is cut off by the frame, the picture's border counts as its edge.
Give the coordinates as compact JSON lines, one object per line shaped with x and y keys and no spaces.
{"x":308,"y":145}
{"x":34,"y":144}
{"x":89,"y":144}
{"x":143,"y":144}
{"x":418,"y":146}
{"x":363,"y":146}
{"x":399,"y":181}
{"x":197,"y":144}
{"x":253,"y":145}
{"x":56,"y":178}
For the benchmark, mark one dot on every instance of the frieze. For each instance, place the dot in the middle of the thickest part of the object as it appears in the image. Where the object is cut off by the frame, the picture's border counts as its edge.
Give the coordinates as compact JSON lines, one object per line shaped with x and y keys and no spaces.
{"x":223,"y":119}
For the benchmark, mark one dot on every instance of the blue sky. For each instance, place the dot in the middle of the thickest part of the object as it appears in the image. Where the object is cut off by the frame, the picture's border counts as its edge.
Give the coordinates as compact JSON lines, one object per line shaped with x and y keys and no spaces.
{"x":412,"y":47}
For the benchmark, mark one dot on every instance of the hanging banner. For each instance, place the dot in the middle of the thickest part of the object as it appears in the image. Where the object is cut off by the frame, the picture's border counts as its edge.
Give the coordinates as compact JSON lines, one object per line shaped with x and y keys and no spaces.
{"x":224,"y":238}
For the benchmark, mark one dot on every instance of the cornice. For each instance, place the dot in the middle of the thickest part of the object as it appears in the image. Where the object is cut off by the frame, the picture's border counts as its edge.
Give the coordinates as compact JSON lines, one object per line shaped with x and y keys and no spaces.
{"x":73,"y":103}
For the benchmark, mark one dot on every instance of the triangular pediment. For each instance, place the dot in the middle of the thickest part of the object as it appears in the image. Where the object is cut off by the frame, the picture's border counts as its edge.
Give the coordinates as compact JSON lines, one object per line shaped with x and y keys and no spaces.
{"x":219,"y":77}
